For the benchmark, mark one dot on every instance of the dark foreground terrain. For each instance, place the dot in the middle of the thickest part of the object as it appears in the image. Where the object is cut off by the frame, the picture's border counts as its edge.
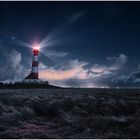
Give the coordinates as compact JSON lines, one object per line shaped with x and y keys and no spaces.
{"x":69,"y":113}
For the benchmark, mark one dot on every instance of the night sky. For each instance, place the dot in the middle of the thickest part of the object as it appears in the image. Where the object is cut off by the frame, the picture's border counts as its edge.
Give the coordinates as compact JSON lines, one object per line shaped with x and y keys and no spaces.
{"x":83,"y":44}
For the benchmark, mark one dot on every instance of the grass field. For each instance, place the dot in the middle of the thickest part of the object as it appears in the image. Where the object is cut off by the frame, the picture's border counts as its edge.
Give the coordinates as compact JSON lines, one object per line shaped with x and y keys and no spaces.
{"x":69,"y":113}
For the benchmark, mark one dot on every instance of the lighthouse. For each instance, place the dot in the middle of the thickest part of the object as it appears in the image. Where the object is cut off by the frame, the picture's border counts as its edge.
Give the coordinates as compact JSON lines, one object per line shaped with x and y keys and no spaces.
{"x":33,"y":77}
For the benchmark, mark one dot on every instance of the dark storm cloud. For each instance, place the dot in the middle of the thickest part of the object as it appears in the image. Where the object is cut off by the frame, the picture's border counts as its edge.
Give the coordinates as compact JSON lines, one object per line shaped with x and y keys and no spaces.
{"x":128,"y":80}
{"x":13,"y":69}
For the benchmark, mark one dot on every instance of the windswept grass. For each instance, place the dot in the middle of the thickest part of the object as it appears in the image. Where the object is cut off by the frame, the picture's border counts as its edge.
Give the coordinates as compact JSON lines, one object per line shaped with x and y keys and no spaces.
{"x":69,"y":113}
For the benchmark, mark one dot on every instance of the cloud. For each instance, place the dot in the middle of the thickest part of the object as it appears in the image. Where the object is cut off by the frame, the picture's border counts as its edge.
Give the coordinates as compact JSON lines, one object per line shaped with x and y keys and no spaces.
{"x":120,"y":61}
{"x":14,"y":59}
{"x":72,"y":73}
{"x":76,"y":70}
{"x":138,"y":66}
{"x":42,"y":66}
{"x":13,"y":69}
{"x":117,"y":64}
{"x":98,"y":69}
{"x":128,"y":80}
{"x":76,"y":73}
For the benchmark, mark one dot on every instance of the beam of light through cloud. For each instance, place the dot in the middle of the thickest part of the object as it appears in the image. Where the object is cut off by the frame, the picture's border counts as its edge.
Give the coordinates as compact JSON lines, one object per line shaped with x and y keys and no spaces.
{"x":31,"y":46}
{"x":53,"y":37}
{"x":20,"y":42}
